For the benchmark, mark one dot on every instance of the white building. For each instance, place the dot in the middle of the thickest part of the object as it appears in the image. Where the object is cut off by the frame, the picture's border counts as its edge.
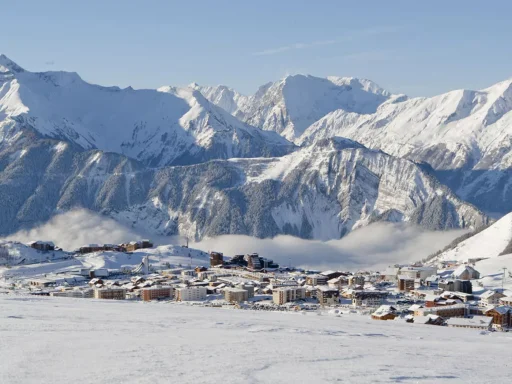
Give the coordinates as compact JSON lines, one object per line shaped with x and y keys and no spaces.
{"x":491,"y":297}
{"x":465,"y":272}
{"x":191,"y":294}
{"x":418,"y":272}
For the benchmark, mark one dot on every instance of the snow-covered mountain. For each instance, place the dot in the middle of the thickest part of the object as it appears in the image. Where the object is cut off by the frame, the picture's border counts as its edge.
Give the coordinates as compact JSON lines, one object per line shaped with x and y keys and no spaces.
{"x":466,"y":136}
{"x":492,"y":242}
{"x":174,"y":126}
{"x":292,"y":104}
{"x":322,"y":191}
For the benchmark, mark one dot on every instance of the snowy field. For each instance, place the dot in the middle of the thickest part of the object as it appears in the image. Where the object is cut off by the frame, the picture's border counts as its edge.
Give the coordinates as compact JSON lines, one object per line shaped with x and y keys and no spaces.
{"x":58,"y":340}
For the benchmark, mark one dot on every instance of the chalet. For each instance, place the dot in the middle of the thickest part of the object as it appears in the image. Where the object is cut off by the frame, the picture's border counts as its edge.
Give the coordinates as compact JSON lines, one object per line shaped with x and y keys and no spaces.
{"x":506,"y":301}
{"x":337,"y":282}
{"x":216,"y":258}
{"x":95,"y":282}
{"x":428,"y":319}
{"x":43,"y":246}
{"x":89,"y":248}
{"x":384,"y":312}
{"x":391,"y":273}
{"x":465,"y":272}
{"x":457,"y":310}
{"x":491,"y":297}
{"x":475,"y":322}
{"x":440,"y":301}
{"x":501,"y":317}
{"x":418,"y":272}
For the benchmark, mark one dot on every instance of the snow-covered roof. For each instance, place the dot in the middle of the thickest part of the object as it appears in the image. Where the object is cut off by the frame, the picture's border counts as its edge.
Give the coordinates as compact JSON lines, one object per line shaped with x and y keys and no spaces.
{"x":325,"y":288}
{"x":490,"y":293}
{"x":384,"y":310}
{"x":502,"y":309}
{"x":475,"y":321}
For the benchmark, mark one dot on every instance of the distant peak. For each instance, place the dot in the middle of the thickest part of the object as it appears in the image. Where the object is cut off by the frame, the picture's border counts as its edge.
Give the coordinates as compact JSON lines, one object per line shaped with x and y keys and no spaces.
{"x":9,"y":64}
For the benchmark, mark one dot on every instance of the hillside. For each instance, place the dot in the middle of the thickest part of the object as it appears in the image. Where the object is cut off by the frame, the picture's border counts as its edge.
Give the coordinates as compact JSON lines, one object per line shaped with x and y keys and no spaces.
{"x":490,"y":243}
{"x":321,"y":192}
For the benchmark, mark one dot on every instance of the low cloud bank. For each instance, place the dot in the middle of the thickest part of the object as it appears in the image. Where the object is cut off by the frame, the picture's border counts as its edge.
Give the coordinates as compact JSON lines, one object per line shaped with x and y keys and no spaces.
{"x":73,"y":229}
{"x":373,"y":247}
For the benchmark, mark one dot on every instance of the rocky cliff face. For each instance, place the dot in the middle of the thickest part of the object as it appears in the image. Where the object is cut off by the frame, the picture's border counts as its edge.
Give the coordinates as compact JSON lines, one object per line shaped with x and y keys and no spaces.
{"x":322,"y":191}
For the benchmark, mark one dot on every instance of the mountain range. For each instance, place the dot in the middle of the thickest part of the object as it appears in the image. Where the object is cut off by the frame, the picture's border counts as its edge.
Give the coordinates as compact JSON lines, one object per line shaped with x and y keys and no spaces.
{"x":464,"y":135}
{"x":305,"y":156}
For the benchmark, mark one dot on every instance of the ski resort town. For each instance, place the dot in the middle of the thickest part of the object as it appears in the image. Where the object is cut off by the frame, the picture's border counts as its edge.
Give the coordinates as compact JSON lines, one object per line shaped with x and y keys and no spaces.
{"x":447,"y":294}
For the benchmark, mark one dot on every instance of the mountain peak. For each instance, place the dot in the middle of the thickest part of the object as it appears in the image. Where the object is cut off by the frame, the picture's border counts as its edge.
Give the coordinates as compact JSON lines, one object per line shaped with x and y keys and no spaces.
{"x":9,"y":64}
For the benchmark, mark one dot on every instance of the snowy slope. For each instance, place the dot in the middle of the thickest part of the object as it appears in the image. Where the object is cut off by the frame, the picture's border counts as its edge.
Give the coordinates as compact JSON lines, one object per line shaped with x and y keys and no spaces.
{"x":157,"y":128}
{"x":157,"y":342}
{"x":39,"y":267}
{"x":158,"y":256}
{"x":292,"y":104}
{"x":14,"y":253}
{"x":487,"y":244}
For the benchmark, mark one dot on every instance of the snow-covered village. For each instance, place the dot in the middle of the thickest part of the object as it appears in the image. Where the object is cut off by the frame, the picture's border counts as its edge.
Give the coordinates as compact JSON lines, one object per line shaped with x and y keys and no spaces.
{"x":255,"y":192}
{"x":449,"y":289}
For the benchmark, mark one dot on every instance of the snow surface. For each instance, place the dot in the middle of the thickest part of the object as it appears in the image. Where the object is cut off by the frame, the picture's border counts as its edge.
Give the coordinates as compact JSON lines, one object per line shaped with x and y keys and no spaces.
{"x":488,"y":243}
{"x":60,"y":340}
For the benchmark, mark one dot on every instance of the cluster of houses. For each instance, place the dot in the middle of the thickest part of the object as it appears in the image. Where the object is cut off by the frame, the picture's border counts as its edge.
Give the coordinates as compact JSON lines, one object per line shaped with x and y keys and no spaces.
{"x":421,"y":294}
{"x":47,"y":246}
{"x":125,"y":247}
{"x":446,"y":298}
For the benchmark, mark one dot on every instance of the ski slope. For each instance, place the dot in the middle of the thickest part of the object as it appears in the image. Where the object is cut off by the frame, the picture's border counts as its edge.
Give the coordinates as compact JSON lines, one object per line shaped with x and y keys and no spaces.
{"x":487,"y":244}
{"x":59,"y":340}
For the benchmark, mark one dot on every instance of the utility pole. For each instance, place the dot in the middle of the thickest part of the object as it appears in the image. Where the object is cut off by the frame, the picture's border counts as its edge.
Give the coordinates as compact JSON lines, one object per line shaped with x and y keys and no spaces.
{"x":503,"y":279}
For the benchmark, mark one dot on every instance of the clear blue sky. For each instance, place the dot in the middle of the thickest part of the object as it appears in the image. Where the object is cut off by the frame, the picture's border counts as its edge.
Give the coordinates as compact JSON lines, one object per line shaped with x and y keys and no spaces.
{"x":413,"y":47}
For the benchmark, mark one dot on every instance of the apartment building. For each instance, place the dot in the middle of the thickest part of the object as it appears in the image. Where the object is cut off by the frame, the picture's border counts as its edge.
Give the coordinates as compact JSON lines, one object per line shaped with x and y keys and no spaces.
{"x":76,"y":293}
{"x":405,"y":283}
{"x":327,"y":295}
{"x":156,"y":292}
{"x":284,"y":295}
{"x":110,"y":293}
{"x":235,"y":295}
{"x":316,"y":280}
{"x":368,"y":298}
{"x":191,"y":294}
